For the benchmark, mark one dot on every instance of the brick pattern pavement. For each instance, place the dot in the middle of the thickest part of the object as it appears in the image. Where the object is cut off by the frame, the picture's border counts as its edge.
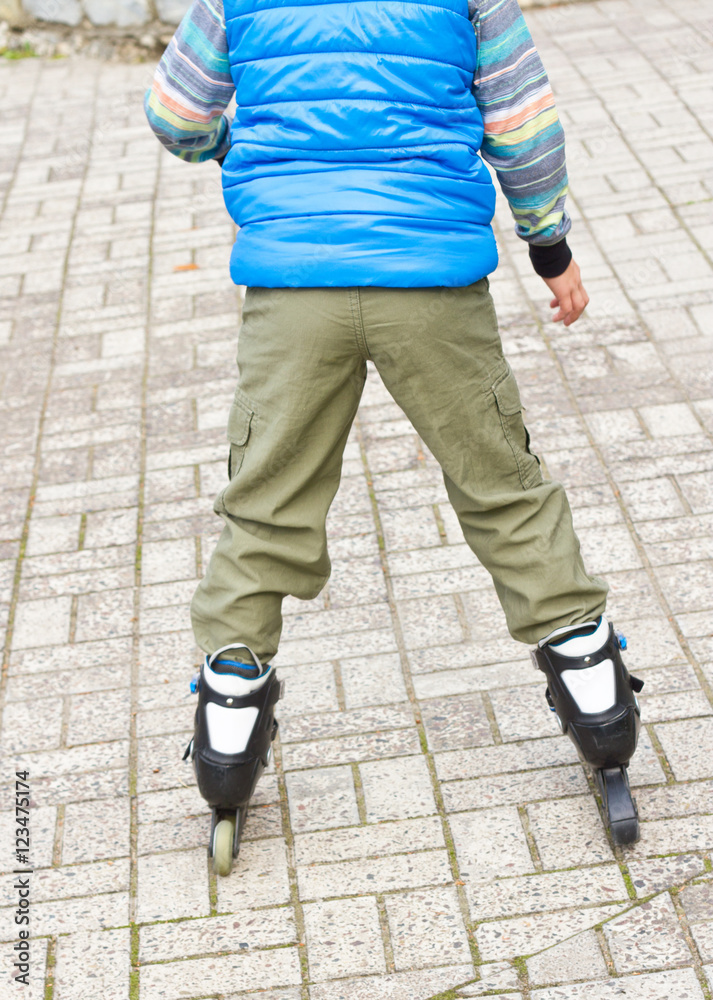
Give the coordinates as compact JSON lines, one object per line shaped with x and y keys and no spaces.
{"x":425,"y":831}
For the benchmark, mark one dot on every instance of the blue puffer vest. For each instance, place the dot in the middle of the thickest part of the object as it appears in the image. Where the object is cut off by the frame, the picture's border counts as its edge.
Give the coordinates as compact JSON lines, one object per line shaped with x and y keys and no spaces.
{"x":354,"y":156}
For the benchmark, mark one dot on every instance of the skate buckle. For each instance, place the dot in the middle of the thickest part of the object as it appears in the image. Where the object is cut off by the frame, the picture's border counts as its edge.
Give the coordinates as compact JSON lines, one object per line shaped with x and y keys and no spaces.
{"x":621,"y":639}
{"x":195,"y":684}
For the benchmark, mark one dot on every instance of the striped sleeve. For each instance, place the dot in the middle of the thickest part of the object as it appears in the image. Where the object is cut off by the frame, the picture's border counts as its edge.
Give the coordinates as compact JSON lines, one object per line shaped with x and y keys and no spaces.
{"x":523,"y":140}
{"x":192,"y":87}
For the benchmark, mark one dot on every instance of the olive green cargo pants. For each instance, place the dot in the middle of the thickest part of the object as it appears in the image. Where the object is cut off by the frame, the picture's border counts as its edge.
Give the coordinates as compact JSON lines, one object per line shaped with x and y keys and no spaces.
{"x":302,"y":365}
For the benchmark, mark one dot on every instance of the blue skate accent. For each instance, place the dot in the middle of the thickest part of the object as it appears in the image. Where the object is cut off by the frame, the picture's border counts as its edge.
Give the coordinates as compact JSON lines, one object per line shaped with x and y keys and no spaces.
{"x":195,"y":684}
{"x":236,"y":663}
{"x":621,"y":639}
{"x":577,"y":631}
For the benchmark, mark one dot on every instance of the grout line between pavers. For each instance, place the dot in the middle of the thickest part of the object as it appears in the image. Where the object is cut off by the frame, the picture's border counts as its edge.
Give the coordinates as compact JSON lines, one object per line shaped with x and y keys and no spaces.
{"x":359,"y":792}
{"x":386,"y":941}
{"x":530,"y":838}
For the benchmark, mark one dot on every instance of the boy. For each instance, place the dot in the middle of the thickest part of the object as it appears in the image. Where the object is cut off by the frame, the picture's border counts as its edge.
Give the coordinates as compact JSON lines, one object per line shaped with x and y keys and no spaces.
{"x":353,"y":169}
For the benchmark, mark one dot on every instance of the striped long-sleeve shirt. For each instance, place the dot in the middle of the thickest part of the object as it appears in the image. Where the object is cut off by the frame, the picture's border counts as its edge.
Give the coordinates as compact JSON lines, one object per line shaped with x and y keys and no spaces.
{"x":523,"y":140}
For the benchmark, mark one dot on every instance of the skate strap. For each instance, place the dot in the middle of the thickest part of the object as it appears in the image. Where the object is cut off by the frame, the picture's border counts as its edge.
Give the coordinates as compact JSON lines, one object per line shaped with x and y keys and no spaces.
{"x":636,"y":683}
{"x":560,"y":661}
{"x":268,"y":693}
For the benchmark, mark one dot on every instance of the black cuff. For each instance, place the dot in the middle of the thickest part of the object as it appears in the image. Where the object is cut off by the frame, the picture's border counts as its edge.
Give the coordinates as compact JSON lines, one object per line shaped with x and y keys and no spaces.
{"x":549,"y":261}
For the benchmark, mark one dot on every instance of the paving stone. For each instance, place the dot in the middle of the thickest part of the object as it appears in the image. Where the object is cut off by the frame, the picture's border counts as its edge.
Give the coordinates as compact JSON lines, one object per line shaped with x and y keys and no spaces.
{"x":35,"y":725}
{"x":697,"y":901}
{"x":685,"y":744}
{"x":465,"y":680}
{"x":172,"y":560}
{"x":508,"y":759}
{"x":38,"y":961}
{"x":378,"y":840}
{"x":507,"y":789}
{"x":87,"y":963}
{"x":569,"y":832}
{"x":213,"y":935}
{"x":358,"y":720}
{"x":192,"y":977}
{"x":293,"y":994}
{"x":456,"y":722}
{"x":674,"y":800}
{"x":531,"y":934}
{"x":670,"y":419}
{"x":350,"y":749}
{"x":579,"y":957}
{"x":681,"y":983}
{"x":372,"y":680}
{"x":426,"y":928}
{"x":648,"y":935}
{"x":703,"y":936}
{"x":53,"y":534}
{"x":536,"y":893}
{"x":375,"y":875}
{"x":490,"y":844}
{"x":493,"y":976}
{"x":80,"y":818}
{"x":397,"y":789}
{"x":43,"y":821}
{"x":75,"y":916}
{"x":654,"y":874}
{"x":422,"y":985}
{"x":522,"y":713}
{"x":321,"y":798}
{"x":645,"y":767}
{"x":104,"y":616}
{"x":344,"y":938}
{"x":173,"y":885}
{"x":100,"y":715}
{"x":42,"y":623}
{"x":259,"y":877}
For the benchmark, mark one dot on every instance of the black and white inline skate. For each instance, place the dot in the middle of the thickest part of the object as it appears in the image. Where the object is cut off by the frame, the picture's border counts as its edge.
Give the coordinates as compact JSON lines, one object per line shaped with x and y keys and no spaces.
{"x":232,"y":743}
{"x":594,"y":699}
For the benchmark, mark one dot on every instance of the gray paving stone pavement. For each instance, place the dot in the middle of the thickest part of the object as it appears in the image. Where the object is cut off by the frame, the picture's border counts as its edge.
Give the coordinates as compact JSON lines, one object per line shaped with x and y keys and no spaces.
{"x":424,"y":832}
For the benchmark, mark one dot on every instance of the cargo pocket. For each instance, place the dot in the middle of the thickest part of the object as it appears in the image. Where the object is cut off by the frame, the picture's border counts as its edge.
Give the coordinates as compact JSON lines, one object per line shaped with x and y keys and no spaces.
{"x":239,"y":422}
{"x":507,"y":397}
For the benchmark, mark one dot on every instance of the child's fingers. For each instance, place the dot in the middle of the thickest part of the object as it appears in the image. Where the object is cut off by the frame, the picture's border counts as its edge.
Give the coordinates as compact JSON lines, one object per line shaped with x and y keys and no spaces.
{"x":578,"y":305}
{"x":565,"y":308}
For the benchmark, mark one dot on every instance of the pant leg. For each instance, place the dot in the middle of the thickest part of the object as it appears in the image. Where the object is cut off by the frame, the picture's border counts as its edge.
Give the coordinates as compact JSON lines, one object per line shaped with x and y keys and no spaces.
{"x":301,"y":374}
{"x":439,"y":354}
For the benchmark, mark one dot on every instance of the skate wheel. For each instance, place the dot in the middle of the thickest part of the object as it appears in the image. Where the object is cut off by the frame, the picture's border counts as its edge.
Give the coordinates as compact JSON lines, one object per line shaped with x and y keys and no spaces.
{"x":223,"y":840}
{"x":621,"y":808}
{"x":625,"y":831}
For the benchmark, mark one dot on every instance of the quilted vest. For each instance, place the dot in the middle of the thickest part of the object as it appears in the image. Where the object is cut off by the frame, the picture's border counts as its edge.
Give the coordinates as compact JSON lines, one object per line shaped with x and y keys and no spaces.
{"x":354,"y":154}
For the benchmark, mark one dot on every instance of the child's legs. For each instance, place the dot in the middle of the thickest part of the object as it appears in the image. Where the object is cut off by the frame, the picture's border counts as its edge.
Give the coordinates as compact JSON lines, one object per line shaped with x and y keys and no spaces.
{"x":301,"y":378}
{"x":440,"y":356}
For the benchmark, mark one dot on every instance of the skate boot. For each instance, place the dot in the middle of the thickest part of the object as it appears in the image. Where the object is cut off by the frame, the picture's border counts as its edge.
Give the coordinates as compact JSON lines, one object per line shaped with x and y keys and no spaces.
{"x":232,"y":743}
{"x":593,"y":697}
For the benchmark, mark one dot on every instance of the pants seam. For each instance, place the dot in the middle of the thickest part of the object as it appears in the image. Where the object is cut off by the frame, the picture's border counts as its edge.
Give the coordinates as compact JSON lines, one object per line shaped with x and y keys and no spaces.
{"x":358,"y":320}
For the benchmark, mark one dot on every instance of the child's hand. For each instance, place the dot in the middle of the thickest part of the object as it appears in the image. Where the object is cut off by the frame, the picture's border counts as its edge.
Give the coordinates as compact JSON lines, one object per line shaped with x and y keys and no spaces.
{"x":570,"y":298}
